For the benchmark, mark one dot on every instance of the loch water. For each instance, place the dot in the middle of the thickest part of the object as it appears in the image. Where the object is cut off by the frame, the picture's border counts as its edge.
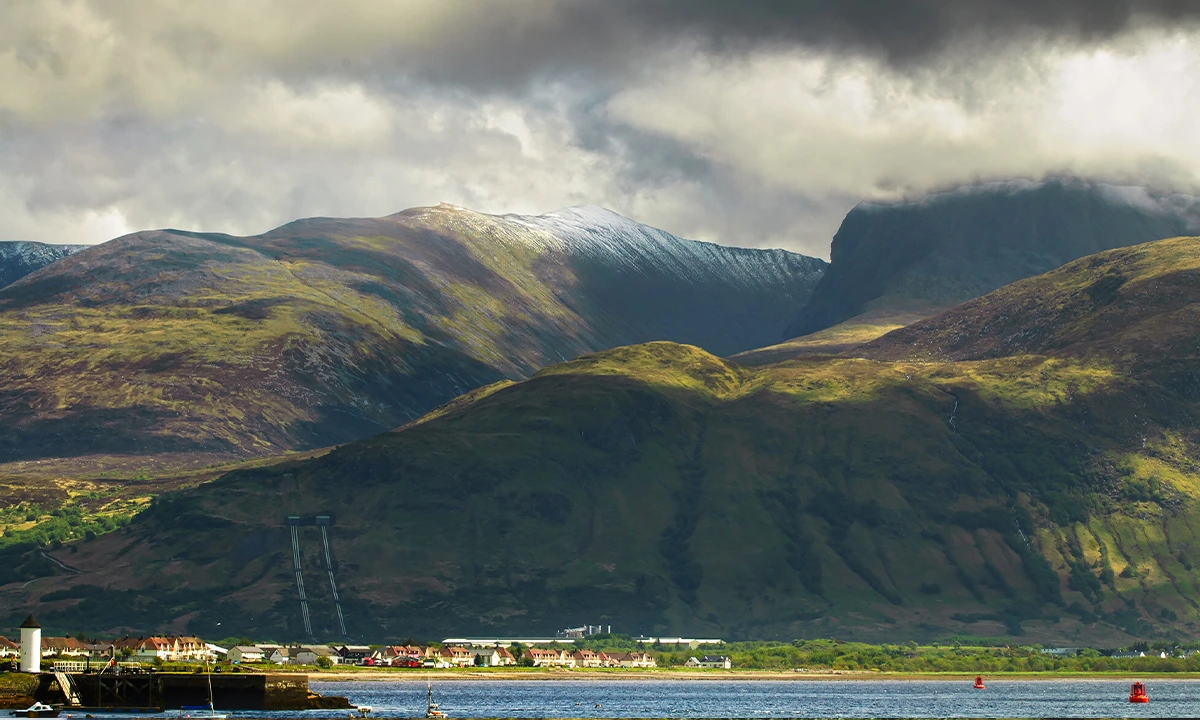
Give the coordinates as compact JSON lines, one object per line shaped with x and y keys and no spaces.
{"x":768,"y":699}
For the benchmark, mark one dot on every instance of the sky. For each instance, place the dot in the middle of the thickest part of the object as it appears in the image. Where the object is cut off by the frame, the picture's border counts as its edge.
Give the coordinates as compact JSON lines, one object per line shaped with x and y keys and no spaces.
{"x":757,"y":123}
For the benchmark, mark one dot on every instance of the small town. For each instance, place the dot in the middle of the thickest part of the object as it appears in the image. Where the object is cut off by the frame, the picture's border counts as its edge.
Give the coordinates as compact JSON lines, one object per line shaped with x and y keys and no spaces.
{"x":185,"y":649}
{"x":74,"y":654}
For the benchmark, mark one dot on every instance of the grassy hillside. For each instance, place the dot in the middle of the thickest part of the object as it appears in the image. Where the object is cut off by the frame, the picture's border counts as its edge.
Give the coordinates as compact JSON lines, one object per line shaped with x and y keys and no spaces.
{"x":841,"y":339}
{"x":176,"y":350}
{"x":925,"y":256}
{"x":965,"y":486}
{"x":1135,"y":305}
{"x":1049,"y":490}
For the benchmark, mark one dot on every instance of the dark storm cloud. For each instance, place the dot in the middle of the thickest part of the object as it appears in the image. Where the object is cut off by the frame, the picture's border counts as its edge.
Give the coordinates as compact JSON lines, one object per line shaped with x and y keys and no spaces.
{"x":595,"y":38}
{"x":903,"y":31}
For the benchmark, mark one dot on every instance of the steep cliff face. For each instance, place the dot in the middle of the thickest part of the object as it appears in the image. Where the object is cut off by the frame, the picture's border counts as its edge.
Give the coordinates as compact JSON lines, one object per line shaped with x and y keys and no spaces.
{"x":18,"y":259}
{"x":921,"y":257}
{"x":643,"y":284}
{"x":326,"y":330}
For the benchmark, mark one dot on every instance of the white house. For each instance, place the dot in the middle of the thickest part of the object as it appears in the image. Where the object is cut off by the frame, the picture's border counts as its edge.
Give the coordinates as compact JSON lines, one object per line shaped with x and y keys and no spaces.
{"x":542,"y":658}
{"x":309,"y":655}
{"x":8,"y":648}
{"x":633,"y":659}
{"x":486,"y":656}
{"x":587,"y":658}
{"x":246,"y":654}
{"x":153,"y":648}
{"x":711,"y":662}
{"x":457,"y":656}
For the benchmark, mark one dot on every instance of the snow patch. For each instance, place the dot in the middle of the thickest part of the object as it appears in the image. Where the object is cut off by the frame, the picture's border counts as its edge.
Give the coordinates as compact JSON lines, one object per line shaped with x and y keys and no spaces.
{"x":601,"y":235}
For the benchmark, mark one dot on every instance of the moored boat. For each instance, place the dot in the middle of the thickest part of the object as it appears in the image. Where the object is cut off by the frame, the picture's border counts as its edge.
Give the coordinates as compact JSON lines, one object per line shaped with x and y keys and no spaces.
{"x":431,"y":708}
{"x":37,"y":710}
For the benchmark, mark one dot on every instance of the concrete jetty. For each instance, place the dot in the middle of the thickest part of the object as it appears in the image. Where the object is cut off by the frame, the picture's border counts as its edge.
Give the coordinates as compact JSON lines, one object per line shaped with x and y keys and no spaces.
{"x":170,"y":690}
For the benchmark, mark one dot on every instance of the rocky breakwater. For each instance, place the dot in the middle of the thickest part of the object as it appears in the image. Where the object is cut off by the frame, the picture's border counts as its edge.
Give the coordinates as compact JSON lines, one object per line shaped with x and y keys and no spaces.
{"x":16,"y":689}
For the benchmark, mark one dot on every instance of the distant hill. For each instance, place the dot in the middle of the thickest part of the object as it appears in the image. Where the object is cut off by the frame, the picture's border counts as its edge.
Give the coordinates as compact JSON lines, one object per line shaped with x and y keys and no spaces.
{"x":18,"y":258}
{"x":205,"y":347}
{"x":924,"y":256}
{"x":1026,"y":464}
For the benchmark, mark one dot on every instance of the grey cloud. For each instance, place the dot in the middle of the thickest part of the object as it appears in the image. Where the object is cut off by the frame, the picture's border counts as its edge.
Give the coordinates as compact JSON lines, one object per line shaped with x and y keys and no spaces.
{"x":749,"y":122}
{"x":599,"y":38}
{"x":903,"y":30}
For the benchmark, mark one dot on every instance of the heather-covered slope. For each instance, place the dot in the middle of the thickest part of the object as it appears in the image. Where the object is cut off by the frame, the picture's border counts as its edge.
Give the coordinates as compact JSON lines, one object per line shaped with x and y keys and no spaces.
{"x":1136,"y":305}
{"x":18,"y":258}
{"x":204,"y":346}
{"x":1050,"y":489}
{"x":924,"y":256}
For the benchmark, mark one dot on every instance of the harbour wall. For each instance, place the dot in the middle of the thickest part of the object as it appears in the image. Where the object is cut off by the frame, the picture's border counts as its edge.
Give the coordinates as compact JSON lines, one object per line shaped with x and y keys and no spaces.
{"x":166,"y":691}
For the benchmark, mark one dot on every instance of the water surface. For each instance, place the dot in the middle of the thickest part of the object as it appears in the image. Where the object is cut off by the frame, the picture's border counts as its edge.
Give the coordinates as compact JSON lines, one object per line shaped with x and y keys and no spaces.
{"x":773,"y":698}
{"x":753,"y":699}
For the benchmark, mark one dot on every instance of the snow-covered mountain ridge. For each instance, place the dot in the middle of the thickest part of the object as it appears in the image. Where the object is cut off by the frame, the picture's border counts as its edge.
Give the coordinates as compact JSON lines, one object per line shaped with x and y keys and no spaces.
{"x":18,"y":258}
{"x":608,"y":236}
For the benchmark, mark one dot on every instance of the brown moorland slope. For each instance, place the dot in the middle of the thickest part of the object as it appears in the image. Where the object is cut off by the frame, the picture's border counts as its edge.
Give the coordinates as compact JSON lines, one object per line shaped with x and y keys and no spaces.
{"x":176,"y":349}
{"x":1048,"y":489}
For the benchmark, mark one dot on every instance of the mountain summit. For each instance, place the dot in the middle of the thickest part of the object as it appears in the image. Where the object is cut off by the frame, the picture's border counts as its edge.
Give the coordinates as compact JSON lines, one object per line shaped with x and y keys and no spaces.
{"x":326,"y":330}
{"x":916,"y":258}
{"x":19,"y":258}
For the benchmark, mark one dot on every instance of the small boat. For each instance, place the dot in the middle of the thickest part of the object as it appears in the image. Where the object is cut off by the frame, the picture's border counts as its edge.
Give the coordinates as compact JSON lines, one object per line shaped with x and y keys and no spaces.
{"x":431,"y":708}
{"x":1137,"y":693}
{"x":979,"y":683}
{"x":198,"y":712}
{"x":37,"y":710}
{"x":184,"y":712}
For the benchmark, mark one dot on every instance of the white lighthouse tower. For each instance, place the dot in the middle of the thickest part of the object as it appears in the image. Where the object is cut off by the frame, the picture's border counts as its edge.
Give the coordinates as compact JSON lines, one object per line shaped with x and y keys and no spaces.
{"x":31,"y":646}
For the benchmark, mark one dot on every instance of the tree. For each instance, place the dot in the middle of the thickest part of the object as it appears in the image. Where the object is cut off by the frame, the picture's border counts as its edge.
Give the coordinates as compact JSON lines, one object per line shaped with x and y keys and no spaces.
{"x":324,"y":662}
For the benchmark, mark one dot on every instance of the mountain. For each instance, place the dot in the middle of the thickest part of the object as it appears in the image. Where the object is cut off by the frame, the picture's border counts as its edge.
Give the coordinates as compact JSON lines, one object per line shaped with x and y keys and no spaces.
{"x":18,"y":259}
{"x":181,"y":347}
{"x":921,"y":257}
{"x":1025,"y":464}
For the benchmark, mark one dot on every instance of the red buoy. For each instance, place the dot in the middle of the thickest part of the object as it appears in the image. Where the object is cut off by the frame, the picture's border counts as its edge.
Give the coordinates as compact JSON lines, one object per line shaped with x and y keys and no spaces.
{"x":1137,"y":693}
{"x":979,"y":683}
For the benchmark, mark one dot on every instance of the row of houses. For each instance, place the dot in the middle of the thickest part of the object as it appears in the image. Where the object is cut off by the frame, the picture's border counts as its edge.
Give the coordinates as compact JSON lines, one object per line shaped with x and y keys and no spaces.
{"x":434,"y":657}
{"x":193,"y":649}
{"x":497,"y":656}
{"x":590,"y":659}
{"x":145,"y":649}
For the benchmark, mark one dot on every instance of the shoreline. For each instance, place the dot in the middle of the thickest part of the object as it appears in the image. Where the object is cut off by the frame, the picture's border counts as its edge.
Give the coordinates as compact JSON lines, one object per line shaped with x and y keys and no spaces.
{"x":419,"y":676}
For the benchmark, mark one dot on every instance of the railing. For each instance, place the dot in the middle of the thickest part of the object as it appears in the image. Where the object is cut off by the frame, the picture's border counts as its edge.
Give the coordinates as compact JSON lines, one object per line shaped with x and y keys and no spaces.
{"x":76,"y":666}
